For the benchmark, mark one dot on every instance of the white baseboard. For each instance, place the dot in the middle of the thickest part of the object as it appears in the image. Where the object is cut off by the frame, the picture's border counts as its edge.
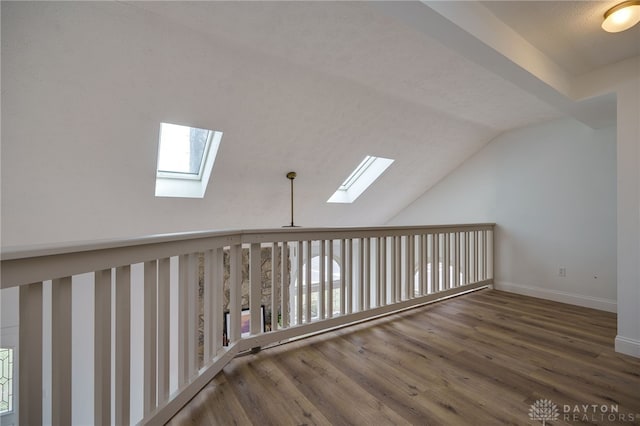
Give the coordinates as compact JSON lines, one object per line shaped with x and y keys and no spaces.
{"x":601,"y":304}
{"x":628,"y":346}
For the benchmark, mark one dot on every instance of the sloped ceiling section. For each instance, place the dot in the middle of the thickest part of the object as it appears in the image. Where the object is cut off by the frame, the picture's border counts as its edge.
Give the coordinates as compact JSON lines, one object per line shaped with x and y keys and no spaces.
{"x":303,"y":86}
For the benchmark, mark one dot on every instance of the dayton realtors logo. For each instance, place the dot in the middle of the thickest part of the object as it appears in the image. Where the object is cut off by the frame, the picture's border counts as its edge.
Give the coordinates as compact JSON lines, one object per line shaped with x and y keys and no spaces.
{"x":596,"y":413}
{"x":544,"y":410}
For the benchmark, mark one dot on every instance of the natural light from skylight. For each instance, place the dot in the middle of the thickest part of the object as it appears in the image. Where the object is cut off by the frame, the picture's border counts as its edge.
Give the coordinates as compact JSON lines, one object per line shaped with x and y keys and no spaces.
{"x":182,"y":149}
{"x":185,"y":159}
{"x":360,"y":179}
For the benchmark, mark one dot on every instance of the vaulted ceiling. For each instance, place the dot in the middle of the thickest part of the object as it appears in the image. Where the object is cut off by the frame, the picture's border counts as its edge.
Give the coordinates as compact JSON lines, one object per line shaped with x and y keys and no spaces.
{"x":306,"y":86}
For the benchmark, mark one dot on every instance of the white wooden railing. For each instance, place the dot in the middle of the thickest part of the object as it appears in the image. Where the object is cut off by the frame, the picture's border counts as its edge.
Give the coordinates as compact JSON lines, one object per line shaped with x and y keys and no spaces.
{"x":367,"y":272}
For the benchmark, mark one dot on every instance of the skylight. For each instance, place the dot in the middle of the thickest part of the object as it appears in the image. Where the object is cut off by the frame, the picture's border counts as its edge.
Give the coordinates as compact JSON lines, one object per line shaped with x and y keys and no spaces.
{"x":185,"y":159}
{"x":360,"y":179}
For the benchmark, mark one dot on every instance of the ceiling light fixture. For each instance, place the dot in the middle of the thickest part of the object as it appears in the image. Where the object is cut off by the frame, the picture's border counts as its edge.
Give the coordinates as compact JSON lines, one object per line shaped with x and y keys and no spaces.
{"x":622,"y":16}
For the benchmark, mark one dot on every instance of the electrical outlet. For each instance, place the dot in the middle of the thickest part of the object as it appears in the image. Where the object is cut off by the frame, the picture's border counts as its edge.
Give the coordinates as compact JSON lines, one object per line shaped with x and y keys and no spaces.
{"x":562,"y":272}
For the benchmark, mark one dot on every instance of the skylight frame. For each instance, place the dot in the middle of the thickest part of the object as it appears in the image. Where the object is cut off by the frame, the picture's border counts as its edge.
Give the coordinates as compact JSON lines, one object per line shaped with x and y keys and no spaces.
{"x":184,"y":184}
{"x":357,"y":173}
{"x":169,"y":174}
{"x":362,"y":177}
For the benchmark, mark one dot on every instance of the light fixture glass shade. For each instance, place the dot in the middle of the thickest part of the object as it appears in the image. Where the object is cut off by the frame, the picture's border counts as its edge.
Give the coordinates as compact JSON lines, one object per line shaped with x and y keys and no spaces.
{"x":622,"y":16}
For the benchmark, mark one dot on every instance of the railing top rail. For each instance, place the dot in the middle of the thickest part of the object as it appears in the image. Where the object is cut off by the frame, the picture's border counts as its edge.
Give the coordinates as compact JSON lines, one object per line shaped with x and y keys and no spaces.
{"x":25,"y":265}
{"x":243,"y":235}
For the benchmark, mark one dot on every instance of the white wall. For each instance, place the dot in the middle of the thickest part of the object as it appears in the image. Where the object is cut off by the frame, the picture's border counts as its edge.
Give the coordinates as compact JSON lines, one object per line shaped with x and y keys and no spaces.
{"x":628,"y":339}
{"x":551,"y":188}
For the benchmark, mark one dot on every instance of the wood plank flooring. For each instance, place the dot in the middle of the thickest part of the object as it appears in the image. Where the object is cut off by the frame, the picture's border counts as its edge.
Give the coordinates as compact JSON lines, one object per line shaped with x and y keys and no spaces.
{"x":480,"y":359}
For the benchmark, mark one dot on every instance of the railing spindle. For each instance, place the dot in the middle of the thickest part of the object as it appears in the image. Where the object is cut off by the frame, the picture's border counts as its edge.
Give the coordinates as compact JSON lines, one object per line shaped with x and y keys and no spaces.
{"x":217,"y":281}
{"x":300,"y":288}
{"x":235,"y":285}
{"x":358,"y":283}
{"x":183,"y":321}
{"x":466,"y":258}
{"x":490,"y":253}
{"x":150,"y":324}
{"x":123,"y":345}
{"x":397,"y":260}
{"x":275,"y":287}
{"x":364,"y":274}
{"x":209,"y":303}
{"x":61,"y":351}
{"x":447,"y":261}
{"x":422,"y":264}
{"x":343,"y":272}
{"x":102,"y":348}
{"x":330,"y":279}
{"x":164,"y":323}
{"x":382,"y":259}
{"x":456,"y":269}
{"x":285,"y":284}
{"x":193,"y":314}
{"x":379,"y":271}
{"x":411,"y":267}
{"x":475,"y":258}
{"x":432,"y":263}
{"x":349,"y":272}
{"x":255,"y":287}
{"x":484,"y":255}
{"x":321,"y":283}
{"x":30,"y":354}
{"x":307,"y":281}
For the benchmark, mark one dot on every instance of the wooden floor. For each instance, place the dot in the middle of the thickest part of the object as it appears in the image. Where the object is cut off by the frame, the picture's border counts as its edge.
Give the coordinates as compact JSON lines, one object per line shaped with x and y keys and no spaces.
{"x":479,"y":359}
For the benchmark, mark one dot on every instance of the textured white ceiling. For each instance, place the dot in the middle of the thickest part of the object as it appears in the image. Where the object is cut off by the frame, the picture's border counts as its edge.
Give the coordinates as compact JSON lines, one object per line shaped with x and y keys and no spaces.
{"x":569,"y":32}
{"x":355,"y":42}
{"x":305,"y":86}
